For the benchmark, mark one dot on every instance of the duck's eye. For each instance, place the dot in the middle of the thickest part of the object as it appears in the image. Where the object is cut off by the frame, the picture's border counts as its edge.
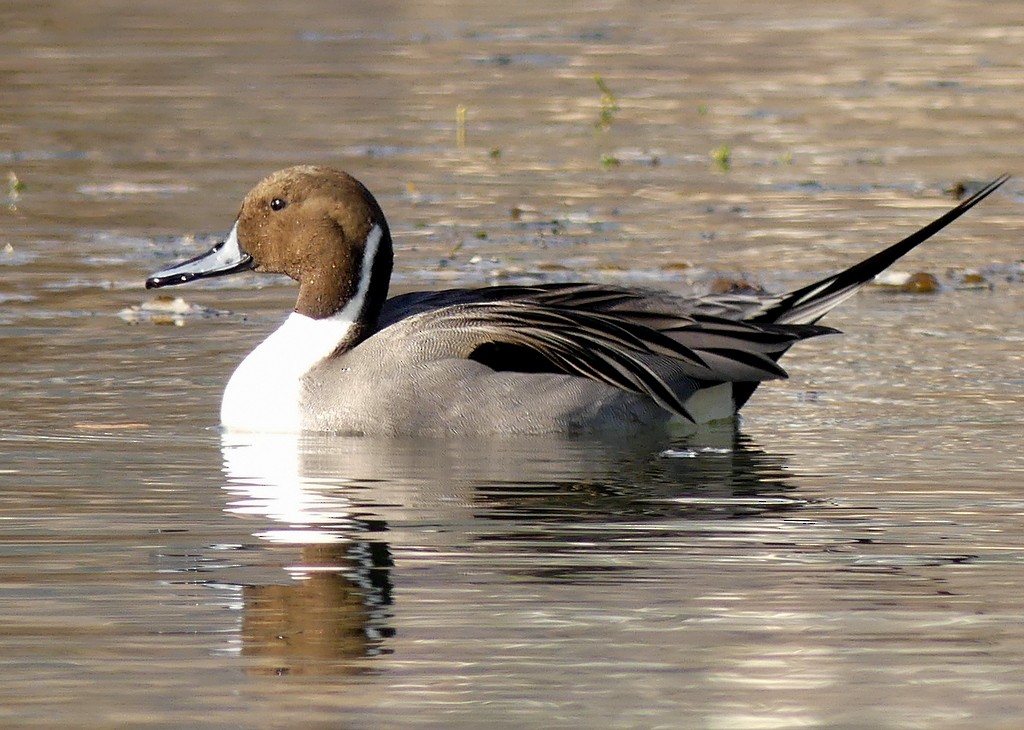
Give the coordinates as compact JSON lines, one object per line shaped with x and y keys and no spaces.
{"x":278,"y":204}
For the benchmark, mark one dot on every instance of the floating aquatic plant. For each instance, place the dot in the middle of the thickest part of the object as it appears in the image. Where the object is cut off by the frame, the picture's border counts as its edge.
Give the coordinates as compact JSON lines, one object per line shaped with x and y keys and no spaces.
{"x":610,"y":162}
{"x":14,"y":188}
{"x":460,"y":126}
{"x":722,"y":157}
{"x":609,"y":105}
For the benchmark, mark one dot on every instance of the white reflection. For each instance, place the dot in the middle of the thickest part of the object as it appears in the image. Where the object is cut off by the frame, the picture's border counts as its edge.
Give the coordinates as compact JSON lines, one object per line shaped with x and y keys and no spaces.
{"x":264,"y":477}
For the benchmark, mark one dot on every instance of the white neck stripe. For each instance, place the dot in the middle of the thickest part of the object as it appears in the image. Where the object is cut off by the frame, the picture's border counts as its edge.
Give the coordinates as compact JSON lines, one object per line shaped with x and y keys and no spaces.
{"x":354,"y":306}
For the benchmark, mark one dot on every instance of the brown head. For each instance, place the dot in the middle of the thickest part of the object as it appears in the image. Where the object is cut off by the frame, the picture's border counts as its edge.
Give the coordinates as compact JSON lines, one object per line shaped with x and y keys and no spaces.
{"x":319,"y":226}
{"x":316,"y":224}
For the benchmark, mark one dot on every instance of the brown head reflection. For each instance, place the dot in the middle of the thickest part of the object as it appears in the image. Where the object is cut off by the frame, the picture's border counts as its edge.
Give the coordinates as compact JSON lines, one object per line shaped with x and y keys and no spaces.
{"x":326,"y":619}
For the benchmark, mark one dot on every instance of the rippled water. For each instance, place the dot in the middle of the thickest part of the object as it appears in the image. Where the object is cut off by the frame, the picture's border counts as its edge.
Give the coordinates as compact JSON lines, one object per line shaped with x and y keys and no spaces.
{"x":853,"y":557}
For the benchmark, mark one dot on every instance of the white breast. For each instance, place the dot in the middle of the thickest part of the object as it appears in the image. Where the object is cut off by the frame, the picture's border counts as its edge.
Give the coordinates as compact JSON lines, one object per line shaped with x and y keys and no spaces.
{"x":264,"y":393}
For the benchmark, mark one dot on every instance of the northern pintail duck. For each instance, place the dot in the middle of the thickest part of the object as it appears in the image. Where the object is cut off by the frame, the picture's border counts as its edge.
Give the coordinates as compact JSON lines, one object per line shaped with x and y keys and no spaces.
{"x":552,"y":358}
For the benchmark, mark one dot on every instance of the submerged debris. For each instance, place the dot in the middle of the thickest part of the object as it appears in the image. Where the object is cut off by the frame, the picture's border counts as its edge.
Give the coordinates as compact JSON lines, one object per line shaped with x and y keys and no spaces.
{"x":109,"y":426}
{"x":970,"y":279}
{"x":692,"y":453}
{"x":166,"y":310}
{"x":676,"y":266}
{"x":124,"y":189}
{"x":726,"y":285}
{"x":920,"y":282}
{"x":964,"y":188}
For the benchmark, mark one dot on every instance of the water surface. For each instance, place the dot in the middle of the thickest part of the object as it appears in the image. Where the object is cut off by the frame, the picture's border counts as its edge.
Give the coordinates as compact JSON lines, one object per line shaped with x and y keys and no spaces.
{"x":852,"y":557}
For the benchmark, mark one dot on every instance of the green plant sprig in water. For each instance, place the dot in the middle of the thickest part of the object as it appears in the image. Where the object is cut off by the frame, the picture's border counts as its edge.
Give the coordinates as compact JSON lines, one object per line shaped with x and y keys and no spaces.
{"x":14,"y":188}
{"x":721,"y":156}
{"x":609,"y":105}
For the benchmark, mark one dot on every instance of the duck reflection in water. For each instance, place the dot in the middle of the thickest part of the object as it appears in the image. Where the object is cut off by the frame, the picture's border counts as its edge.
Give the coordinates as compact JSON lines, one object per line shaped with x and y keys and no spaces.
{"x":329,"y":609}
{"x":336,"y":498}
{"x":329,"y":613}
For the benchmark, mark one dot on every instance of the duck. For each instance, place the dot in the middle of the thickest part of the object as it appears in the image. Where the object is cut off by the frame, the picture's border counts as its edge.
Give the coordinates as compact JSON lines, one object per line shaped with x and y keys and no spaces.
{"x":552,"y":358}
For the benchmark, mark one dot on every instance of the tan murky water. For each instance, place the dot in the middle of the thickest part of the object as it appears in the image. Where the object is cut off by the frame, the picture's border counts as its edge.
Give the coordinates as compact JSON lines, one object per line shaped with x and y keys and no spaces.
{"x":853,"y":558}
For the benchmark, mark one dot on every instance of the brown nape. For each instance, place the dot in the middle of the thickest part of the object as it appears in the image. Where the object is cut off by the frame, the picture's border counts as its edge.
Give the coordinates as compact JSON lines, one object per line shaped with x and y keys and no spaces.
{"x":318,"y":238}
